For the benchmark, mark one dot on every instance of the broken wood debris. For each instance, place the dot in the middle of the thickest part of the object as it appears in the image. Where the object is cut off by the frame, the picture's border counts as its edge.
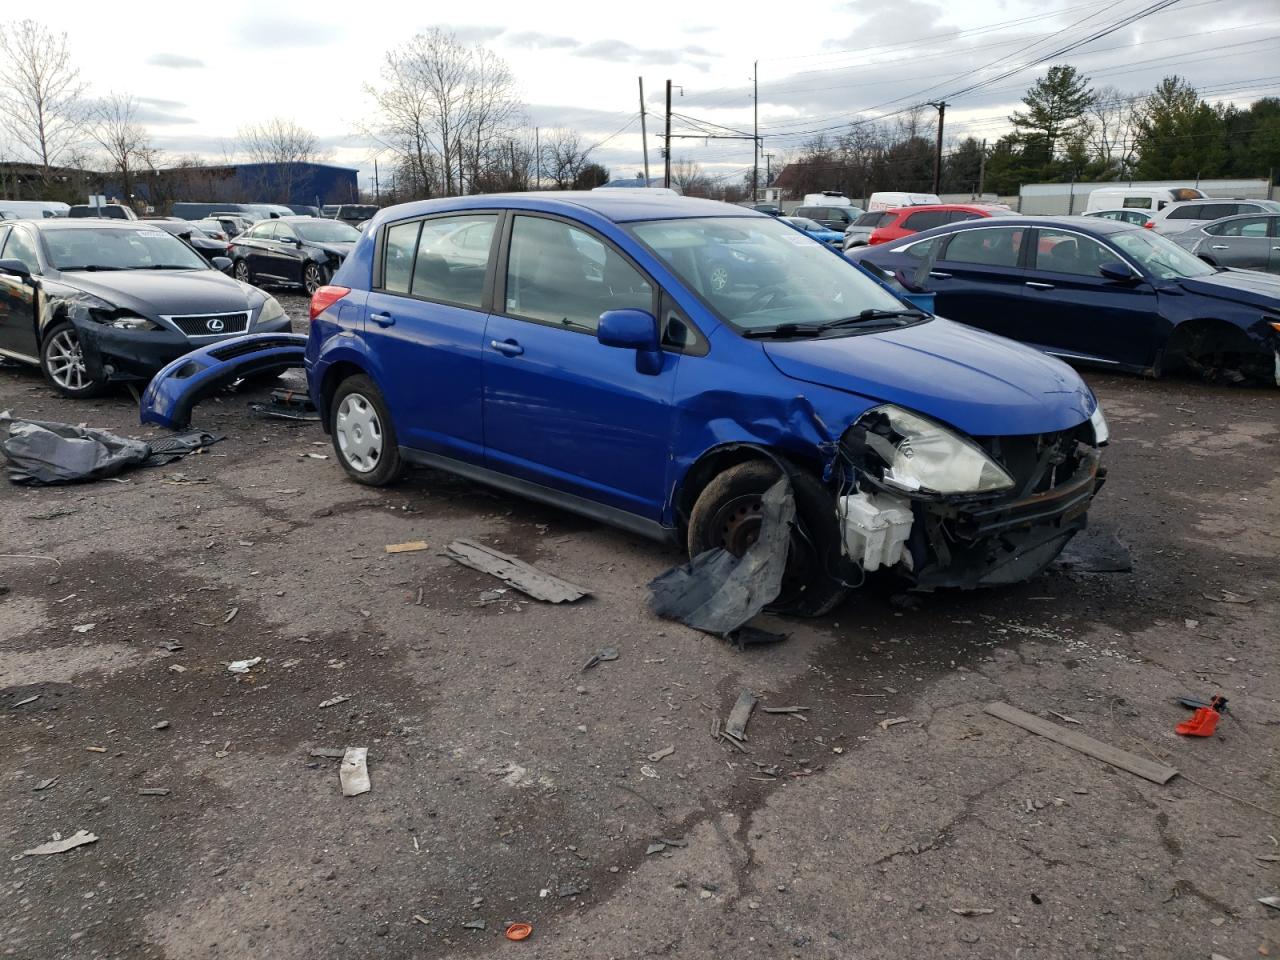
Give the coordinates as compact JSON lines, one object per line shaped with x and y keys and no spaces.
{"x":740,"y":715}
{"x":514,"y":572}
{"x":784,"y":709}
{"x":23,"y":703}
{"x":892,"y":722}
{"x":153,"y":792}
{"x":1063,"y":717}
{"x":328,"y":753}
{"x":972,"y":911}
{"x":660,"y":754}
{"x":410,"y":546}
{"x":59,"y":845}
{"x":46,"y":784}
{"x":1140,"y":766}
{"x":334,"y":701}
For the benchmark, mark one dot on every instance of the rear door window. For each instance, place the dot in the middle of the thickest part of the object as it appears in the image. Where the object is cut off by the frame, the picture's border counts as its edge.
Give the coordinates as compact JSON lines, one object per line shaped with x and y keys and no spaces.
{"x":442,"y":269}
{"x":926,"y":220}
{"x":1189,"y":212}
{"x":399,"y":246}
{"x":564,"y":276}
{"x":1244,"y":227}
{"x":997,"y":247}
{"x":872,"y":219}
{"x":1058,"y":251}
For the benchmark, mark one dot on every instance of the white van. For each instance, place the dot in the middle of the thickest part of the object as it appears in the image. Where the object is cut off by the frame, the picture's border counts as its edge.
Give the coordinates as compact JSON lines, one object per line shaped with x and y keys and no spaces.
{"x":1139,"y":198}
{"x":892,"y":199}
{"x":34,"y":209}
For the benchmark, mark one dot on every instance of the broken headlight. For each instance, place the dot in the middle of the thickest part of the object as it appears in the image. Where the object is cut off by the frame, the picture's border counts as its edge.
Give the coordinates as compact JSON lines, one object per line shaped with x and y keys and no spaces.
{"x":271,"y":310}
{"x":921,"y":455}
{"x":1101,"y":432}
{"x":132,"y":323}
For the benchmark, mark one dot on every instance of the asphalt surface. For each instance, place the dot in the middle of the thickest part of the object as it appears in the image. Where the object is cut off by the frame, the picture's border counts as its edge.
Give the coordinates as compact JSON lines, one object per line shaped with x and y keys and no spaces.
{"x":510,"y":784}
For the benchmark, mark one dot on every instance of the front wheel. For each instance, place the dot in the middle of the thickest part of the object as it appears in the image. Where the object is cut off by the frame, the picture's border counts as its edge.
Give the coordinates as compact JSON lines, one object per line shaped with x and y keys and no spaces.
{"x":63,"y":364}
{"x":363,"y":437}
{"x":314,"y":277}
{"x":727,"y":514}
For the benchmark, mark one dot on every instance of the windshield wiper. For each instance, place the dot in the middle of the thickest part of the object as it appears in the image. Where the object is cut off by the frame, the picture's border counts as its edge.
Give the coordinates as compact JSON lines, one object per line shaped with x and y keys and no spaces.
{"x":784,"y":330}
{"x":167,"y":266}
{"x":873,"y":314}
{"x":90,"y":266}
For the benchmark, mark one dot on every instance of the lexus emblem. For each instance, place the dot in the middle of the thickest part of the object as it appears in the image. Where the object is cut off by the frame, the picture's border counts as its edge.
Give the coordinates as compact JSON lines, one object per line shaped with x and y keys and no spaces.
{"x":214,"y":325}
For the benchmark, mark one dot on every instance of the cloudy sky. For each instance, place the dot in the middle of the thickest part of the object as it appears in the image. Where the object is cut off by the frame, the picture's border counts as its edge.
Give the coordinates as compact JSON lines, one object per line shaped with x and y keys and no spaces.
{"x":200,"y":76}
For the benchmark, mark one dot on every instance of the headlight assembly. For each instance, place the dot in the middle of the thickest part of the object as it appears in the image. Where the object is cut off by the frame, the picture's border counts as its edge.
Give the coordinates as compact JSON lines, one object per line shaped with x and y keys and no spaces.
{"x":922,"y":456}
{"x":271,"y":310}
{"x":134,"y":323}
{"x":1101,"y":432}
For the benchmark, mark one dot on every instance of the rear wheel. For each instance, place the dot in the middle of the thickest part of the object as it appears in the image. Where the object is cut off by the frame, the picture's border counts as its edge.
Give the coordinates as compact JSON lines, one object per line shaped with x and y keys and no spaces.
{"x":241,"y":271}
{"x":363,"y":437}
{"x":727,"y":514}
{"x":63,"y":363}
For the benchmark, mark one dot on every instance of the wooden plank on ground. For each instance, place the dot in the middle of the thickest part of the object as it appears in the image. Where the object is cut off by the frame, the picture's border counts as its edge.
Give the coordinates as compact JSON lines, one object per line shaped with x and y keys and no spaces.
{"x":1147,"y":769}
{"x":515,"y":572}
{"x":736,"y":725}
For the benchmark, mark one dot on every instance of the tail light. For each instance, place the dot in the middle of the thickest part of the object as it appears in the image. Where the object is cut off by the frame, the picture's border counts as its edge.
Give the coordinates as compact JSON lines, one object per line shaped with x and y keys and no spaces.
{"x":326,"y":297}
{"x":876,"y":237}
{"x":1149,"y":225}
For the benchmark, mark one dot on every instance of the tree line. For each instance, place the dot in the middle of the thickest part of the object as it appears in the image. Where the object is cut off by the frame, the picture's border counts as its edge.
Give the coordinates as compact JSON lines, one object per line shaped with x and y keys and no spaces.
{"x":1068,"y":130}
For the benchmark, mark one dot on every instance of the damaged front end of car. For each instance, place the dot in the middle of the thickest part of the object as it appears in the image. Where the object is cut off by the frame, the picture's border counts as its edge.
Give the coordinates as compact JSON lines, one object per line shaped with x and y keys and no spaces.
{"x":946,"y":510}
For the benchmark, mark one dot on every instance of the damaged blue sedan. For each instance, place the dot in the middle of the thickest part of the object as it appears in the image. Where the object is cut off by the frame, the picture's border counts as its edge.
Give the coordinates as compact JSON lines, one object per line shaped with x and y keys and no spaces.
{"x":658,"y":362}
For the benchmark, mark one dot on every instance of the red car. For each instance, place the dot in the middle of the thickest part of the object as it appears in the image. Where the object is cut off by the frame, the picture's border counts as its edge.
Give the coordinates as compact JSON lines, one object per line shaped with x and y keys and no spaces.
{"x":903,"y":221}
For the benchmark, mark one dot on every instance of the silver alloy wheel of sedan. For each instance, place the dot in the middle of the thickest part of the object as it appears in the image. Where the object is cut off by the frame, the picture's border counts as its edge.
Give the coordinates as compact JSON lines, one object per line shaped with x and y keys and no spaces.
{"x":311,"y":280}
{"x":359,"y":432}
{"x":242,"y":271}
{"x":65,"y":360}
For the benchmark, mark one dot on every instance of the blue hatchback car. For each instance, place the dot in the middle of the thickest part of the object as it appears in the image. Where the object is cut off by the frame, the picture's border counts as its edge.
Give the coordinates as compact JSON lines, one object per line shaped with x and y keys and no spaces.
{"x":657,"y":362}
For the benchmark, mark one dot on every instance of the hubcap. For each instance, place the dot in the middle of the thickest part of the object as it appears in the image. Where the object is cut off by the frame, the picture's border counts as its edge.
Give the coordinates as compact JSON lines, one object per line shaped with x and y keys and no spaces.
{"x":359,"y":432}
{"x":66,"y":361}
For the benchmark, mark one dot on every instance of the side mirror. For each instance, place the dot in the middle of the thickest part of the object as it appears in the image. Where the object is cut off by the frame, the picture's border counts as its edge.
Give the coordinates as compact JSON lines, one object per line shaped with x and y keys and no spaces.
{"x":635,"y":330}
{"x":1120,"y":272}
{"x":15,"y":268}
{"x":222,"y":263}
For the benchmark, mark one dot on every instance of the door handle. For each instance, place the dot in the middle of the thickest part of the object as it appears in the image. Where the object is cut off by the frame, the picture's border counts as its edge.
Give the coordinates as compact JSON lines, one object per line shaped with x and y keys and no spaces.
{"x":939,"y":275}
{"x":1039,"y":286}
{"x":508,"y":348}
{"x":382,"y":319}
{"x":1219,"y":246}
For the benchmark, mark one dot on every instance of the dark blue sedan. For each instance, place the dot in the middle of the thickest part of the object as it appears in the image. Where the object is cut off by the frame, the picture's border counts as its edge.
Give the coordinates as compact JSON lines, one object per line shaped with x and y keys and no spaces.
{"x":658,"y":363}
{"x":1096,"y":291}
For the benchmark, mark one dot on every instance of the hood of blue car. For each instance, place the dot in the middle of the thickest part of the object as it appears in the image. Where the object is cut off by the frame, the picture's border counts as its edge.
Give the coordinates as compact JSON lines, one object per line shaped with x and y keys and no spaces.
{"x":1242,"y":286}
{"x":982,"y":384}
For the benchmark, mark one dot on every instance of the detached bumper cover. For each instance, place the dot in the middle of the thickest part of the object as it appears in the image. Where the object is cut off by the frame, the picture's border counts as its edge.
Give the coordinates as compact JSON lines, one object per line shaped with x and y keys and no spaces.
{"x":137,"y":354}
{"x":178,"y":387}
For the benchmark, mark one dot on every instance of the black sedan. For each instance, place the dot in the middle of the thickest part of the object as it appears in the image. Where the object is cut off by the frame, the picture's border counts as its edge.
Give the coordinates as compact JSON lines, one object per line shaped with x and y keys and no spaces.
{"x":196,"y":236}
{"x":1095,"y":291}
{"x":294,"y":250}
{"x":96,"y":301}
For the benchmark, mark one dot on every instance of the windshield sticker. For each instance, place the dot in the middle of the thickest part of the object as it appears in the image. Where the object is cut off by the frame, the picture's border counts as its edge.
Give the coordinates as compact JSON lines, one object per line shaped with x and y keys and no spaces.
{"x":152,"y":233}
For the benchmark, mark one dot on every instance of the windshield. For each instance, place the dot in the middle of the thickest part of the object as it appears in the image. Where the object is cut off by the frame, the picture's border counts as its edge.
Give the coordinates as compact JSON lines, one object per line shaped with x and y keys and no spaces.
{"x":145,"y":248}
{"x":757,"y":273}
{"x":326,"y":231}
{"x":1160,"y":256}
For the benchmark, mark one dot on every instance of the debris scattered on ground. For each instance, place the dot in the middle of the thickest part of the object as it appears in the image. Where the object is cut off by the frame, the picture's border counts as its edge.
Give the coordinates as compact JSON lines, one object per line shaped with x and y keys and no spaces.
{"x":473,"y":925}
{"x":1063,"y":717}
{"x":717,"y":592}
{"x":161,"y":725}
{"x":231,"y":615}
{"x":519,"y":931}
{"x":784,"y":709}
{"x":42,"y":453}
{"x":173,"y":646}
{"x":1141,"y":766}
{"x":604,"y":656}
{"x":177,"y":668}
{"x":654,"y":848}
{"x":354,"y":772}
{"x":243,"y":666}
{"x":972,"y":911}
{"x":96,"y":749}
{"x":23,"y":703}
{"x":1226,"y":596}
{"x":59,"y":845}
{"x":649,"y":772}
{"x":327,"y":753}
{"x":411,"y":546}
{"x":154,"y":792}
{"x":333,"y":702}
{"x":1096,"y":549}
{"x":421,"y":919}
{"x":660,"y":754}
{"x":893,"y":722}
{"x":288,"y":403}
{"x":514,"y":572}
{"x":46,"y":784}
{"x":740,"y":715}
{"x":1272,"y":902}
{"x":1204,"y":721}
{"x":83,"y":628}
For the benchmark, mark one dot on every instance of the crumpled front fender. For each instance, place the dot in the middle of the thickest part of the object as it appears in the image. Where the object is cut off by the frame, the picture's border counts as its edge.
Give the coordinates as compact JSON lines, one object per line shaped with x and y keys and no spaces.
{"x":178,"y":387}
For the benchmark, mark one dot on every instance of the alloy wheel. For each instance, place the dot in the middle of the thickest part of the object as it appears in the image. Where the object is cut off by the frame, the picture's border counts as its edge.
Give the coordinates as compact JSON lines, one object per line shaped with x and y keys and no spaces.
{"x":311,"y":279}
{"x":65,"y":361}
{"x":242,"y":271}
{"x":359,"y":432}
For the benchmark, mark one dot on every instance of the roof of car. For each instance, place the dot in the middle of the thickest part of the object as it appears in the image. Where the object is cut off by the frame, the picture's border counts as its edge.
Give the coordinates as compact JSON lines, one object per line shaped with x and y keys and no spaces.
{"x":80,"y":223}
{"x":967,"y":207}
{"x":619,"y":206}
{"x":1083,"y":224}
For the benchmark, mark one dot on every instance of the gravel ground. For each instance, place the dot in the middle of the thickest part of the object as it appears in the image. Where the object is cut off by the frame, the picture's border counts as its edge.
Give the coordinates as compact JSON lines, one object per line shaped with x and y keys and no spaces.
{"x":508,"y":784}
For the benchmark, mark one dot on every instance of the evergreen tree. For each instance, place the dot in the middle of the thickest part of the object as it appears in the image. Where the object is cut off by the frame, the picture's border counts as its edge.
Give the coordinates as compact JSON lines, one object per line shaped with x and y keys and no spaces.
{"x":1056,"y":106}
{"x":1180,"y":136}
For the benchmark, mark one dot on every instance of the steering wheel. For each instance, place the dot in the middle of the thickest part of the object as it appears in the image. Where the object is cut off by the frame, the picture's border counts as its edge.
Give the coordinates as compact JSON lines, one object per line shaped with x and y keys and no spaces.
{"x":764,"y":298}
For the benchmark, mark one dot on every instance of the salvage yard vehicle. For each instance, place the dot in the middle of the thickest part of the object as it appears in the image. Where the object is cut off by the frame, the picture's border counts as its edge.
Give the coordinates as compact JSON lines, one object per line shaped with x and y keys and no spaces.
{"x":593,"y":362}
{"x":1097,"y":291}
{"x":1149,"y":199}
{"x":294,"y":250}
{"x":97,"y":301}
{"x":902,"y":222}
{"x":1178,"y":217}
{"x":205,"y":245}
{"x":1138,"y":218}
{"x":832,"y":238}
{"x":1246,"y":242}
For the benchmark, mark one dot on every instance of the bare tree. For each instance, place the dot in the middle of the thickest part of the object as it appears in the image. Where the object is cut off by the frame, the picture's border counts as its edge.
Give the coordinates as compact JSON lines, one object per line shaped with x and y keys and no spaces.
{"x":114,"y":126}
{"x":689,"y":179}
{"x":1110,"y":129}
{"x":492,"y":111}
{"x":564,"y":156}
{"x":40,"y":91}
{"x":281,"y":142}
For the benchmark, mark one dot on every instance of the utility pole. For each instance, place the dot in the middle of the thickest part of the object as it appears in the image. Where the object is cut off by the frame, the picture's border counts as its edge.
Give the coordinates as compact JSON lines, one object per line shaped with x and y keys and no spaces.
{"x":644,"y":137}
{"x":982,"y":168}
{"x":768,"y":169}
{"x":537,"y":159}
{"x":941,"y":106}
{"x":666,"y":174}
{"x":755,"y":130}
{"x":377,"y":194}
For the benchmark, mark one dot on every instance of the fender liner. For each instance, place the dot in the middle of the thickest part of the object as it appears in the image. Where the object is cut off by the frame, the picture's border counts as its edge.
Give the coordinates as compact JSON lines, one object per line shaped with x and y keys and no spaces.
{"x":178,"y":387}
